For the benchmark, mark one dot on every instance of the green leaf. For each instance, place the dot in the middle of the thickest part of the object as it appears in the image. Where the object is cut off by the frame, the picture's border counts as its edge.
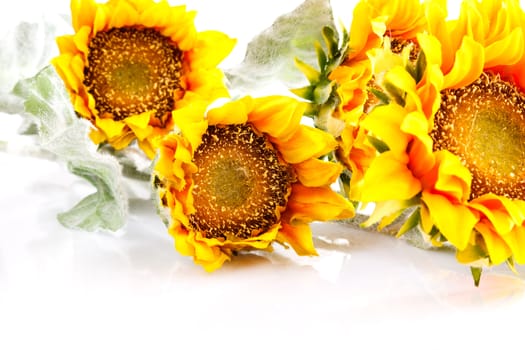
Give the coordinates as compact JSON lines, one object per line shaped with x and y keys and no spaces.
{"x":62,"y":133}
{"x":271,"y":55}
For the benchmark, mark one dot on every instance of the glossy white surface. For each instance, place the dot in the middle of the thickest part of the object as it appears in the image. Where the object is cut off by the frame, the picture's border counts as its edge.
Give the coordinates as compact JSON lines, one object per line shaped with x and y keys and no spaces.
{"x":65,"y":289}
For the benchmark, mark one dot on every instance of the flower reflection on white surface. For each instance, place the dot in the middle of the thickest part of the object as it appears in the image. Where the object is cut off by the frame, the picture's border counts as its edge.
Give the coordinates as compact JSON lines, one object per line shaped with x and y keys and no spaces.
{"x":361,"y":283}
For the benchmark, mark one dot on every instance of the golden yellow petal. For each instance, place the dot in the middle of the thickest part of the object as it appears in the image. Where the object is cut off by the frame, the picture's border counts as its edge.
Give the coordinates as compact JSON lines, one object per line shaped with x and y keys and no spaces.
{"x":317,"y":204}
{"x":235,"y":112}
{"x":507,"y":51}
{"x":148,"y":147}
{"x":362,"y":36}
{"x":468,"y":65}
{"x":123,"y":15}
{"x":110,"y":127}
{"x":122,"y":141}
{"x":82,"y":13}
{"x":211,"y":48}
{"x":101,"y":19}
{"x":205,"y":83}
{"x":384,"y":123}
{"x":184,"y":33}
{"x":81,"y":40}
{"x":497,"y":249}
{"x":66,"y":44}
{"x":277,"y":116}
{"x":62,"y":65}
{"x":307,"y":142}
{"x":453,"y":178}
{"x":515,"y":240}
{"x":97,"y":136}
{"x":454,"y":221}
{"x":299,"y":236}
{"x":190,"y":120}
{"x":388,"y":178}
{"x":211,"y":258}
{"x":316,"y":172}
{"x":494,"y":209}
{"x":139,"y":124}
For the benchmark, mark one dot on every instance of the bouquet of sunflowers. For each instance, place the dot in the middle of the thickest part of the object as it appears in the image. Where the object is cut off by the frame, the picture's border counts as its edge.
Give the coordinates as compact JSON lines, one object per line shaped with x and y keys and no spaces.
{"x":406,"y":120}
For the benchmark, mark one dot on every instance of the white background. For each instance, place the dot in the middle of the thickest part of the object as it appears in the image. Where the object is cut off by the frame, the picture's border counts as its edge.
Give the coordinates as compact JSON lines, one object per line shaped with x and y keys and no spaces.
{"x":65,"y":289}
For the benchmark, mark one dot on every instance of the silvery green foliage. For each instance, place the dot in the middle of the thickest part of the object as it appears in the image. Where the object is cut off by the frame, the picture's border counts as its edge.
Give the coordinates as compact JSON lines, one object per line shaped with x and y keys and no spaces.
{"x":62,"y":133}
{"x":271,"y":55}
{"x":27,"y":47}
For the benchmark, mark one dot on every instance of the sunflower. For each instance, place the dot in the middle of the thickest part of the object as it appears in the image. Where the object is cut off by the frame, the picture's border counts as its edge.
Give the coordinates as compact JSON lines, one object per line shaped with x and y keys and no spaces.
{"x":456,"y":159}
{"x":246,"y":175}
{"x":345,"y":88}
{"x":131,"y":62}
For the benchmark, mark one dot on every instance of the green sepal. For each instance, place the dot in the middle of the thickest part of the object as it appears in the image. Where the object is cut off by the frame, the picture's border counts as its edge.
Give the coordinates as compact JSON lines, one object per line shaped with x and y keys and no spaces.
{"x":411,"y":222}
{"x":312,"y":74}
{"x":394,"y":92}
{"x":476,"y":274}
{"x":378,"y":144}
{"x":381,"y":96}
{"x":417,"y":69}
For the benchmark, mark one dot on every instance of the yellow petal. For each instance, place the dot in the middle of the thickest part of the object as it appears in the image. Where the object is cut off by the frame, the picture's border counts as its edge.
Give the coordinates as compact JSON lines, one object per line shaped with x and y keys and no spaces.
{"x":384,"y":123}
{"x":389,"y":179}
{"x":299,"y":236}
{"x":110,"y":127}
{"x":190,"y":120}
{"x":454,"y":221}
{"x":315,"y":172}
{"x":507,"y":51}
{"x":235,"y":112}
{"x":496,"y":247}
{"x":307,"y":142}
{"x":123,"y":15}
{"x":516,"y":242}
{"x":453,"y":177}
{"x":491,"y":207}
{"x":82,"y":13}
{"x":468,"y":65}
{"x":277,"y":116}
{"x":317,"y":204}
{"x":211,"y":48}
{"x":139,"y":124}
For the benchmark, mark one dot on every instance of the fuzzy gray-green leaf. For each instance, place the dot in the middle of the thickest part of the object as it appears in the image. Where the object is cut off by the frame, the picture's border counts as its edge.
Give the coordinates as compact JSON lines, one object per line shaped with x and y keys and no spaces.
{"x":270,"y":56}
{"x":62,"y":133}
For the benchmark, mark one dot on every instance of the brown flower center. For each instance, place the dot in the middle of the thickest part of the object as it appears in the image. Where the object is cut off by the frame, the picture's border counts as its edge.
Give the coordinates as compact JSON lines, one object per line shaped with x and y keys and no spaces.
{"x":484,"y":125}
{"x":133,"y":70}
{"x":242,"y":185}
